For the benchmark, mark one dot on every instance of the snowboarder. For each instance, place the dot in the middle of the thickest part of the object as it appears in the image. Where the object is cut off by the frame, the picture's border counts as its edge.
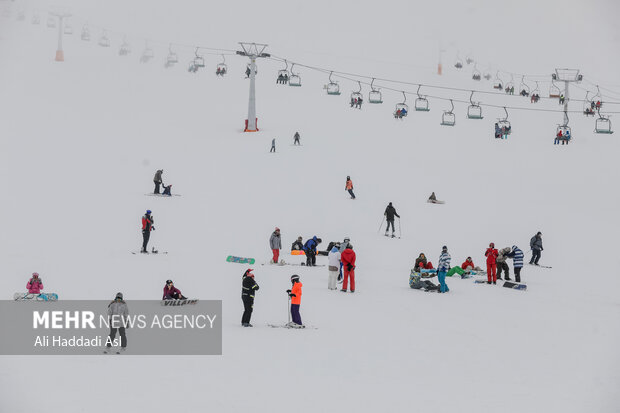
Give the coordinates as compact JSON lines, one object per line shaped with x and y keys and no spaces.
{"x":34,"y":285}
{"x":296,"y":139}
{"x":390,"y":213}
{"x":310,"y":250}
{"x":333,"y":268}
{"x":171,"y":292}
{"x":118,"y":314}
{"x":491,"y":254}
{"x":248,"y":289}
{"x":517,"y":258}
{"x":502,"y":265}
{"x":298,"y":245}
{"x":273,"y":145}
{"x":275,"y":243}
{"x":416,"y":282}
{"x":443,"y":267}
{"x":157,"y":180}
{"x":422,"y":263}
{"x":295,"y":295}
{"x":349,"y":187}
{"x":537,"y":247}
{"x":348,"y":264}
{"x":167,"y":190}
{"x":432,"y":197}
{"x":468,"y":265}
{"x":147,"y":227}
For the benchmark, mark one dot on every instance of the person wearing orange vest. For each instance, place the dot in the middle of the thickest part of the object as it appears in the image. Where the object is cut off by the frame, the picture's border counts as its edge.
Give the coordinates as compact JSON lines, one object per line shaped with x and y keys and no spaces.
{"x":348,"y":265}
{"x":295,"y":294}
{"x":349,"y":187}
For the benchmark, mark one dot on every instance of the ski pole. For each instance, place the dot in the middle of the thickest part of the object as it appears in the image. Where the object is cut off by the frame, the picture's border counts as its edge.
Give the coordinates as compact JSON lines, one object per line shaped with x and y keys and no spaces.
{"x":380,"y":225}
{"x":288,"y":309}
{"x":399,"y":230}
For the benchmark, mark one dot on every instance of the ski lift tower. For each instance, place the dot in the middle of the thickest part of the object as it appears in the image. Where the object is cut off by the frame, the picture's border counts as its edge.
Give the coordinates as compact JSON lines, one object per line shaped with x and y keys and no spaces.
{"x":253,"y":51}
{"x":60,"y":55}
{"x":567,"y":76}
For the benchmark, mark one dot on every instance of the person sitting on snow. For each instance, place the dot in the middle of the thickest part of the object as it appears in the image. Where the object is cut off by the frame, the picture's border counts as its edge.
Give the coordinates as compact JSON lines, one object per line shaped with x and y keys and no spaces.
{"x":171,"y":292}
{"x":298,"y":245}
{"x":167,"y":190}
{"x":422,"y":263}
{"x":35,"y":285}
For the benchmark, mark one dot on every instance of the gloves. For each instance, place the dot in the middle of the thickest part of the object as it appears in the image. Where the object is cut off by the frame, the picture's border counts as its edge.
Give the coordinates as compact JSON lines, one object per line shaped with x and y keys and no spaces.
{"x":288,"y":291}
{"x":153,"y":228}
{"x":292,"y":295}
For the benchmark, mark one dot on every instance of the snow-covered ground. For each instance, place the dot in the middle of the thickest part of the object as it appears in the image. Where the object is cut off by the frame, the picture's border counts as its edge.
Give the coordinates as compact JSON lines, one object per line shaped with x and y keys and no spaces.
{"x":80,"y":142}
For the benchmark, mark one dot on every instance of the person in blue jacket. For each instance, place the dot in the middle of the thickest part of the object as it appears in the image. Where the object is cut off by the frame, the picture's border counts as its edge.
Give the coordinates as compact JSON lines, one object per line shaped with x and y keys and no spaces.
{"x":310,"y":250}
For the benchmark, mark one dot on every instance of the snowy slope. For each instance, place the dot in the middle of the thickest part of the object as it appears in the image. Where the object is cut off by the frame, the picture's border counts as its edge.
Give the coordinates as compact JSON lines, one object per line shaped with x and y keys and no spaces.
{"x":81,"y":140}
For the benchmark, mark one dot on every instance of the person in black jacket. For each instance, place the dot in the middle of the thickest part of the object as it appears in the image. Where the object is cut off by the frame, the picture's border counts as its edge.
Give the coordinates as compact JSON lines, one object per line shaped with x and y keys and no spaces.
{"x":537,"y":247}
{"x":249,"y":286}
{"x":298,"y":245}
{"x":390,"y":213}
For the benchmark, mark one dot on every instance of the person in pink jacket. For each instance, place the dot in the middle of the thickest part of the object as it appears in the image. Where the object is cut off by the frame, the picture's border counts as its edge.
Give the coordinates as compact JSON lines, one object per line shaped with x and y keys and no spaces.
{"x":35,"y":285}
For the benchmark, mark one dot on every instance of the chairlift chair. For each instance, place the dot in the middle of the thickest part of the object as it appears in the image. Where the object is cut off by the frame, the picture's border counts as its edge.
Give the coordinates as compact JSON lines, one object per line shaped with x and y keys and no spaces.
{"x":85,"y":34}
{"x":51,"y":22}
{"x":294,"y":79}
{"x":374,"y":96}
{"x":402,"y":109}
{"x":499,"y":83}
{"x":564,"y":128}
{"x":104,"y":41}
{"x":524,"y":89}
{"x":469,"y":60}
{"x":487,"y":76}
{"x":333,"y":88}
{"x":421,"y":103}
{"x":172,"y":58}
{"x":68,"y":30}
{"x":221,"y":69}
{"x":448,"y":118}
{"x":603,"y":125}
{"x":125,"y":49}
{"x":35,"y":19}
{"x":554,"y":91}
{"x":21,"y":16}
{"x":147,"y":54}
{"x":357,"y":98}
{"x":476,"y":75}
{"x":458,"y":64}
{"x":474,"y":111}
{"x":504,"y":124}
{"x":588,"y":108}
{"x":199,"y":61}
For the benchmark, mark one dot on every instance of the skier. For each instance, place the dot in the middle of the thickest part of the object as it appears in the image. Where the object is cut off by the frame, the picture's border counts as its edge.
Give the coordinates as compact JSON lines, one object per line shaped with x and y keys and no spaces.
{"x":118,"y":314}
{"x":537,"y":247}
{"x":348,"y":264}
{"x":248,"y":289}
{"x":295,"y":295}
{"x":167,"y":190}
{"x":502,"y":265}
{"x":275,"y":243}
{"x":298,"y":245}
{"x":333,"y":268}
{"x":147,"y":227}
{"x":517,"y":257}
{"x":273,"y":145}
{"x":422,"y":263}
{"x":310,"y":250}
{"x":171,"y":292}
{"x":34,"y":285}
{"x":389,"y":213}
{"x":442,"y":268}
{"x":349,"y":187}
{"x":296,"y":139}
{"x":157,"y":180}
{"x":491,"y":254}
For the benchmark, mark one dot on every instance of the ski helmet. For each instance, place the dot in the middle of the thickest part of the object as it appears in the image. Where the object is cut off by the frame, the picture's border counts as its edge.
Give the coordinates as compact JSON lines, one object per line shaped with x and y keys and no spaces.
{"x":148,"y":212}
{"x":119,"y":296}
{"x":294,"y":277}
{"x":347,"y":239}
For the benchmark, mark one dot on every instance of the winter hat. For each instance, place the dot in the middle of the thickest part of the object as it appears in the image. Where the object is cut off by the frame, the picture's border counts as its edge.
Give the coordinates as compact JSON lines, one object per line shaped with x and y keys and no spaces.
{"x":390,"y":204}
{"x":492,"y":245}
{"x":539,"y":233}
{"x":277,"y":229}
{"x":347,"y":239}
{"x":168,"y":282}
{"x":119,"y":296}
{"x":348,"y":177}
{"x":148,"y":212}
{"x":294,"y":277}
{"x":444,"y":248}
{"x":299,"y":238}
{"x":349,"y":246}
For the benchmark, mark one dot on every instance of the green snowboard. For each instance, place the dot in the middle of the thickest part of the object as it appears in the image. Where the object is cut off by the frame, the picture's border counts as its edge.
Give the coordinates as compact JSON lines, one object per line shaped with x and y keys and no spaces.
{"x":240,"y":260}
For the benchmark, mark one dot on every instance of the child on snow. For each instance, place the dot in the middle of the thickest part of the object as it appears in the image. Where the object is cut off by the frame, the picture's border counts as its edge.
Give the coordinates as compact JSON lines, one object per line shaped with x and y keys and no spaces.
{"x":35,"y":285}
{"x":295,"y":294}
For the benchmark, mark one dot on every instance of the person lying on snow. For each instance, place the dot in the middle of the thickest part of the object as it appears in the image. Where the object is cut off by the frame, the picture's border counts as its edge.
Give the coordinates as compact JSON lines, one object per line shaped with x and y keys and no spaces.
{"x":417,"y":283}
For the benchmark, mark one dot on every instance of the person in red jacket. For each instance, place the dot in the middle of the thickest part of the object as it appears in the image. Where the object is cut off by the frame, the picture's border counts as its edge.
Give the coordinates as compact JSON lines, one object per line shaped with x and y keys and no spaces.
{"x":348,"y":265}
{"x":468,"y":264}
{"x":147,"y":227}
{"x":491,"y":255}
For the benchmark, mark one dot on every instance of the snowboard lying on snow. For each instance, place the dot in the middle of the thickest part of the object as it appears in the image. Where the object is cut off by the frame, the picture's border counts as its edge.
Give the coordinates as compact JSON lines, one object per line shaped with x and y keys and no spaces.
{"x":240,"y":260}
{"x":435,"y":201}
{"x":35,"y":297}
{"x":176,"y":303}
{"x":515,"y":286}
